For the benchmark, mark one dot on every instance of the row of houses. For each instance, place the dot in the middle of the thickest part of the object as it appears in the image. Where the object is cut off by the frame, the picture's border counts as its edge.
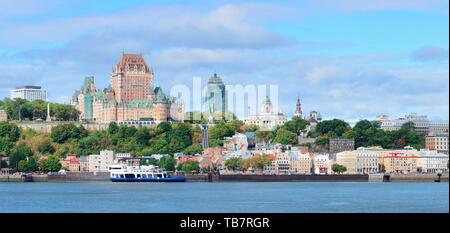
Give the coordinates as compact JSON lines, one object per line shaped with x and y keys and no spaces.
{"x":406,"y":160}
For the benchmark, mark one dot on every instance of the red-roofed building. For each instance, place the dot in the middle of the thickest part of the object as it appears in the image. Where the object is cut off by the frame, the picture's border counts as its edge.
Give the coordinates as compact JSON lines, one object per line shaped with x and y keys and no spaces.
{"x":398,"y":162}
{"x":71,"y":162}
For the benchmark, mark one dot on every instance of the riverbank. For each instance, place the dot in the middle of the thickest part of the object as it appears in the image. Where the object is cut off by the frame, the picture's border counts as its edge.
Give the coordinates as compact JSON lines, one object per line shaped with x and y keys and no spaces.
{"x":104,"y":177}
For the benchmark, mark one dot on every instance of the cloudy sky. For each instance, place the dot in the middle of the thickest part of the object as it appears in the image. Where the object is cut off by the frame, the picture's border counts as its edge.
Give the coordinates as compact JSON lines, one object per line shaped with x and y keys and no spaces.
{"x":349,"y":59}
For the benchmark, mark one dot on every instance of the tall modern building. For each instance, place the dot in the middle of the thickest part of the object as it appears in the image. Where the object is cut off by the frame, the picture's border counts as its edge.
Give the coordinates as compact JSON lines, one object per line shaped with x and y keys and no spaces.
{"x":29,"y":93}
{"x":129,"y":99}
{"x":216,"y":95}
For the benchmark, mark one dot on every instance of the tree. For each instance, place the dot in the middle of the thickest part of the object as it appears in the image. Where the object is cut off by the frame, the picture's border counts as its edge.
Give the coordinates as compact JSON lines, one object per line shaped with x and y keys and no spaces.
{"x":193,"y":149}
{"x":9,"y":131}
{"x":20,"y":152}
{"x":336,"y":127}
{"x":233,"y":163}
{"x":32,"y":164}
{"x":337,"y":168}
{"x":264,"y":135}
{"x":235,"y":125}
{"x":46,"y":147}
{"x":113,"y":128}
{"x":52,"y":164}
{"x":5,"y":145}
{"x":167,"y":163}
{"x":285,"y":137}
{"x":296,"y":125}
{"x":189,"y":166}
{"x":22,"y":166}
{"x":62,"y":133}
{"x":218,"y":132}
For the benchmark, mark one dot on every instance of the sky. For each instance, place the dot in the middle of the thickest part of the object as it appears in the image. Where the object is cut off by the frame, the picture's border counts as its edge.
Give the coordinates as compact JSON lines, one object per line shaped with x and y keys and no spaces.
{"x":347,"y":59}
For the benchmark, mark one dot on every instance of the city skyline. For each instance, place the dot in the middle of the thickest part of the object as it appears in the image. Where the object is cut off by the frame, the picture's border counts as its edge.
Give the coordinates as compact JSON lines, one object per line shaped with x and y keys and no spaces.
{"x":392,"y":60}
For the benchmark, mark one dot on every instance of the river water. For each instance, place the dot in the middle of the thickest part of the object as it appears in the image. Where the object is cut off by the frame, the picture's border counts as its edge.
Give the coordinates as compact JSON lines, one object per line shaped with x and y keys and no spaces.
{"x":248,"y":197}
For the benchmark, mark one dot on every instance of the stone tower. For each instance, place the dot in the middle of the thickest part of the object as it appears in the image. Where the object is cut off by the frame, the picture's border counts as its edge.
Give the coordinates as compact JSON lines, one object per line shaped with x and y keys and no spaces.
{"x":298,"y":109}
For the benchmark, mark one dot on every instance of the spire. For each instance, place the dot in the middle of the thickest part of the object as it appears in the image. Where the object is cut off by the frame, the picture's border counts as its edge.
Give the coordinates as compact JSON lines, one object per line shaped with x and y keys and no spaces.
{"x":298,"y":108}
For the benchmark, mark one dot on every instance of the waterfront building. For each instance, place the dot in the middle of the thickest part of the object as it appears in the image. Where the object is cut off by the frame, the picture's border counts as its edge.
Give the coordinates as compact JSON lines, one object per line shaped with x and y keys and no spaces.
{"x":212,"y":158}
{"x":438,"y":142}
{"x":348,"y":160}
{"x":421,"y":124}
{"x":101,"y":162}
{"x":237,"y":142}
{"x":72,"y":163}
{"x":301,"y":163}
{"x":266,"y":119}
{"x":3,"y":115}
{"x":337,"y":145}
{"x":298,"y":109}
{"x":360,"y":161}
{"x":399,"y":161}
{"x":29,"y":93}
{"x":431,"y":161}
{"x":130,"y":97}
{"x":216,"y":96}
{"x":321,"y":163}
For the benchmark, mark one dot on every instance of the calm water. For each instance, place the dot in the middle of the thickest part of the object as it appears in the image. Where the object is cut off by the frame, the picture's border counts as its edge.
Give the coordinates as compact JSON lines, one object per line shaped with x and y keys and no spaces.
{"x":224,"y":197}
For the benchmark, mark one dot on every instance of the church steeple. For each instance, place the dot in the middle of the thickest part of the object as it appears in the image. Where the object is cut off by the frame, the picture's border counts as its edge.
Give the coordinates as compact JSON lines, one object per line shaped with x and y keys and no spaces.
{"x":298,"y":108}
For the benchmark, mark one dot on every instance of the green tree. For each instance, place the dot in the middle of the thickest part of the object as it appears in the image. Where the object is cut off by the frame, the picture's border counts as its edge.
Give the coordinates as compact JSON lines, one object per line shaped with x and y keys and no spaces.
{"x":264,"y":135}
{"x":61,"y":133}
{"x":337,"y":168}
{"x":9,"y":131}
{"x":20,"y":152}
{"x":218,"y":132}
{"x":23,"y":166}
{"x":235,"y":125}
{"x":5,"y":146}
{"x":189,"y":166}
{"x":336,"y":127}
{"x":167,"y":163}
{"x":233,"y":163}
{"x":113,"y":128}
{"x":296,"y":125}
{"x":52,"y":163}
{"x":32,"y":165}
{"x":193,"y":149}
{"x":46,"y":147}
{"x":285,"y":137}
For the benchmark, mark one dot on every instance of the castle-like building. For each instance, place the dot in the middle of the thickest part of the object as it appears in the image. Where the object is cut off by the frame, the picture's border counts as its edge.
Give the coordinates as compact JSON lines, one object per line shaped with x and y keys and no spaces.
{"x":130,"y":97}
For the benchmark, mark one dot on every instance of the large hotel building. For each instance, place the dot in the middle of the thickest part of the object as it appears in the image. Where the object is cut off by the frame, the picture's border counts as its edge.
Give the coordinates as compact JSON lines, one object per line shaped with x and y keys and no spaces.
{"x":29,"y":93}
{"x":130,"y":97}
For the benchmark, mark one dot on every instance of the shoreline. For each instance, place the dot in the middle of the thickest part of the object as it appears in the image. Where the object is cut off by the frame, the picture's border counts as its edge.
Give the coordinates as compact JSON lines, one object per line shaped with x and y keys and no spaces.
{"x":104,"y":177}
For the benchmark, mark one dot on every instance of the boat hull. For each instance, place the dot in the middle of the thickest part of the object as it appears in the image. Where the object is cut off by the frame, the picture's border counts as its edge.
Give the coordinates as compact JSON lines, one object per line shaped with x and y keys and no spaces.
{"x":171,"y":179}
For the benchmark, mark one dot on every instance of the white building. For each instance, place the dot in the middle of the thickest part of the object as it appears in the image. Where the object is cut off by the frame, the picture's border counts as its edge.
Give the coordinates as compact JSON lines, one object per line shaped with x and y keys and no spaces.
{"x":421,"y":123}
{"x":29,"y":93}
{"x":101,"y":162}
{"x":321,"y":163}
{"x":431,"y":161}
{"x":360,"y":161}
{"x":267,"y":119}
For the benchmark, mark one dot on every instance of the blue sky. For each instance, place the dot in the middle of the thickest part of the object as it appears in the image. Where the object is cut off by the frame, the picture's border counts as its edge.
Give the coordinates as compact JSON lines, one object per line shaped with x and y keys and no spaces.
{"x":349,"y":59}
